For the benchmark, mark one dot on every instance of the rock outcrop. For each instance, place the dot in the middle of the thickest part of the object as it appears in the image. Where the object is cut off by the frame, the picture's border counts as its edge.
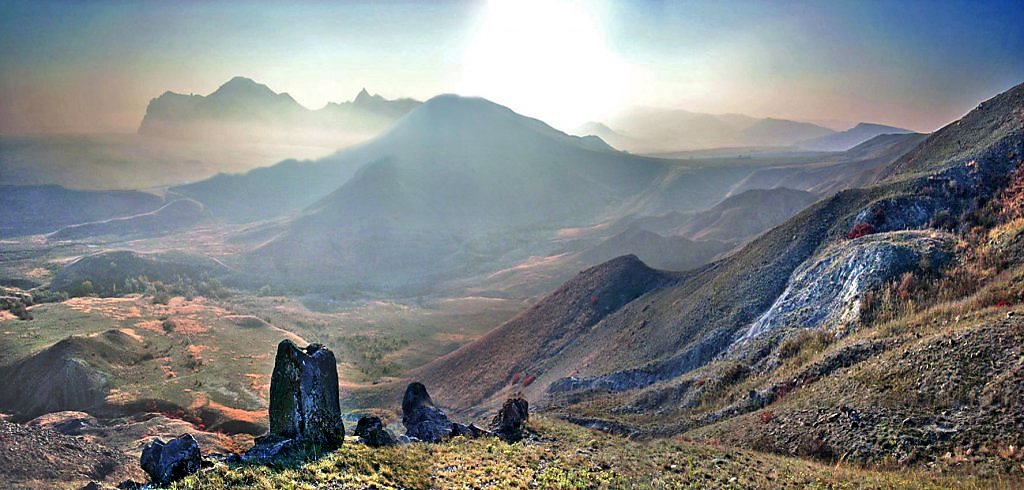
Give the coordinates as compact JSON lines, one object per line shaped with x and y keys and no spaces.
{"x":166,"y":462}
{"x":825,"y":292}
{"x":510,"y":421}
{"x":421,"y":418}
{"x":371,"y":432}
{"x":304,"y":402}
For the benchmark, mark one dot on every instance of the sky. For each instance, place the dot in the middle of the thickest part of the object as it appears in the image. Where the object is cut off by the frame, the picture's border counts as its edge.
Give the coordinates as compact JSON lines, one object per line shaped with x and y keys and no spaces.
{"x":93,"y":66}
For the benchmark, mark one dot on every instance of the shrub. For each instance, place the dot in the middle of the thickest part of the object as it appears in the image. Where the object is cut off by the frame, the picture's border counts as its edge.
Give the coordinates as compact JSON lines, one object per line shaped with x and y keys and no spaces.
{"x":805,"y":343}
{"x":516,"y":377}
{"x":529,"y":380}
{"x":766,"y":416}
{"x":859,"y":230}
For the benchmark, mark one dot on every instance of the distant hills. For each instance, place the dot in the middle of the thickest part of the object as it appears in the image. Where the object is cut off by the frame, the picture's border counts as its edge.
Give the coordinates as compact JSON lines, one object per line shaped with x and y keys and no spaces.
{"x":670,"y":131}
{"x":851,"y":137}
{"x":650,"y":130}
{"x":243,"y":109}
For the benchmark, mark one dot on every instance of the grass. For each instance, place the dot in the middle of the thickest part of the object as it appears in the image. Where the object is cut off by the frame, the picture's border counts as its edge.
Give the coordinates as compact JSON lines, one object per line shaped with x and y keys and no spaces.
{"x":561,"y":456}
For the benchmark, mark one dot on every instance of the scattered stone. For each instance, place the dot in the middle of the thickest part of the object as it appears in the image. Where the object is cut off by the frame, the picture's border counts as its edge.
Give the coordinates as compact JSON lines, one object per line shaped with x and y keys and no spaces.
{"x":511,"y":419}
{"x":166,"y":462}
{"x":423,"y":420}
{"x":93,"y":485}
{"x":371,"y":432}
{"x":304,"y":395}
{"x":470,"y":431}
{"x":273,"y":449}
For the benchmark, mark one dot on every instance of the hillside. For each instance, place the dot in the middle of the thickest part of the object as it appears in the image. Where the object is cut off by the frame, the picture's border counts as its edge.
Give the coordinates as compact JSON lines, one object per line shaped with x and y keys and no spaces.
{"x":746,"y":214}
{"x":176,"y":215}
{"x":824,"y":317}
{"x":857,"y":167}
{"x":27,"y":210}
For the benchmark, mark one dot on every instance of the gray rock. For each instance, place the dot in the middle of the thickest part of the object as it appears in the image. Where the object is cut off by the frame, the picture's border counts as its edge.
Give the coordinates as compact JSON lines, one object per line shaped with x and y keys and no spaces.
{"x":371,"y":432}
{"x":274,"y":449}
{"x":166,"y":462}
{"x":470,"y":431}
{"x":304,"y":396}
{"x":423,"y":420}
{"x":510,"y":421}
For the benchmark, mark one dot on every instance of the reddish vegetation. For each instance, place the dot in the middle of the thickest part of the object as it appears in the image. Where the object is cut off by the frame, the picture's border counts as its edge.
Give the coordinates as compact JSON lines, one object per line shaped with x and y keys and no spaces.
{"x":593,"y":300}
{"x":528,"y":380}
{"x":516,"y":377}
{"x":766,"y":416}
{"x":859,"y":230}
{"x":189,"y":416}
{"x":1010,"y":203}
{"x":1003,"y":304}
{"x":698,"y":382}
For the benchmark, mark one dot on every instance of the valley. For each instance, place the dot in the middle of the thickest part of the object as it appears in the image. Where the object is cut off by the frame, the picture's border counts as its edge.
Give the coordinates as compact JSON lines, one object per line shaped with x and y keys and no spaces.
{"x":726,"y":301}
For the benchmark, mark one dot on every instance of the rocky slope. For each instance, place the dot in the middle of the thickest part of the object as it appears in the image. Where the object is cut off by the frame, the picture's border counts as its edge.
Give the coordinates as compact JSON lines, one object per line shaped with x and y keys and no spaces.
{"x":679,"y":354}
{"x":41,"y":458}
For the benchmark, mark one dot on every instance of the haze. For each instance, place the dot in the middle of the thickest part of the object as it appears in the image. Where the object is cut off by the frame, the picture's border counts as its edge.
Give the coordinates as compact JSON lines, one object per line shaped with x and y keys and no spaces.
{"x":93,"y":67}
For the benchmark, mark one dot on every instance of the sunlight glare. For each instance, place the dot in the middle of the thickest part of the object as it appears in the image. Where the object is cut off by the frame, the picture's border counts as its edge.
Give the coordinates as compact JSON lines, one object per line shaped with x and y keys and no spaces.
{"x":546,"y":59}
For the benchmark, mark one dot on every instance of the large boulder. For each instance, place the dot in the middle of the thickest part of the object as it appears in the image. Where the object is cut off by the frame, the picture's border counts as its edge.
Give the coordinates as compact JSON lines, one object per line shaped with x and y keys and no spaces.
{"x":304,"y":401}
{"x":510,"y":421}
{"x":166,"y":462}
{"x":423,"y":420}
{"x":371,"y":432}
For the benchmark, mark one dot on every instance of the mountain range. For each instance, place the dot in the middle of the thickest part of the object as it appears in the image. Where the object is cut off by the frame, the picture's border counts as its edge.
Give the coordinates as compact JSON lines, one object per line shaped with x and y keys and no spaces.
{"x":242,"y":109}
{"x":417,"y":203}
{"x":671,"y":131}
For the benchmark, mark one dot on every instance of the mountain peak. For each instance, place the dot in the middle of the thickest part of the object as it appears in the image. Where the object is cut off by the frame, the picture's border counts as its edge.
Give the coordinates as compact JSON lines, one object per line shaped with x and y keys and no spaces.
{"x":242,"y":86}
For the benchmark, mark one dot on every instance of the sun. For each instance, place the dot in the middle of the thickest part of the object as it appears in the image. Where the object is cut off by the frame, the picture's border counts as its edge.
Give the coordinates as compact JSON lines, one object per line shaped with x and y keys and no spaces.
{"x":547,"y":59}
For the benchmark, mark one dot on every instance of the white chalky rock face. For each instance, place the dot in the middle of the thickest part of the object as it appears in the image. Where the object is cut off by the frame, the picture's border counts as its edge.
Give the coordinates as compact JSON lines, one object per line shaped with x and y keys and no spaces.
{"x":825,"y":291}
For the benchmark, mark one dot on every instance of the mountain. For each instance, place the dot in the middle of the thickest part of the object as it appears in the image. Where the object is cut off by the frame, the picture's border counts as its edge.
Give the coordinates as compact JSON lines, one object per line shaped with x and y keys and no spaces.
{"x":850,"y":138}
{"x":609,"y":135}
{"x":242,"y":109}
{"x":870,"y":316}
{"x":780,"y":132}
{"x":674,"y":253}
{"x":667,"y":131}
{"x":425,"y":199}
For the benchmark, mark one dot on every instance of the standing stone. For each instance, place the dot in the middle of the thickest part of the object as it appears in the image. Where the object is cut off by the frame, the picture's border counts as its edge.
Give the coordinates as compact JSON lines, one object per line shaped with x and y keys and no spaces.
{"x":511,"y":419}
{"x":304,"y":395}
{"x":166,"y":462}
{"x":421,"y":418}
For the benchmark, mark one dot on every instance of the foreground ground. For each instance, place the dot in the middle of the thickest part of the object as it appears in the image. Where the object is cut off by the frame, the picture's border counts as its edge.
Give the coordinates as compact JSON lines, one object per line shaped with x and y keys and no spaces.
{"x":562,"y":455}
